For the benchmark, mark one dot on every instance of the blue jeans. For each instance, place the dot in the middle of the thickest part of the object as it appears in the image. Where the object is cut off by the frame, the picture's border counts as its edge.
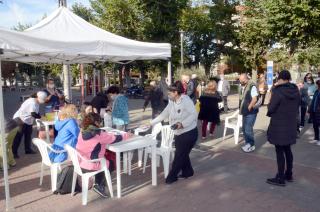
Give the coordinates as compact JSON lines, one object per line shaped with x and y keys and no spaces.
{"x":247,"y":128}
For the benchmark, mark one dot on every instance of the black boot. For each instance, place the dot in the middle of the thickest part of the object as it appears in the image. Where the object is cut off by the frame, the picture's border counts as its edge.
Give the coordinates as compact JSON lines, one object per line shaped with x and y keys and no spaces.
{"x":288,"y":177}
{"x":276,"y":181}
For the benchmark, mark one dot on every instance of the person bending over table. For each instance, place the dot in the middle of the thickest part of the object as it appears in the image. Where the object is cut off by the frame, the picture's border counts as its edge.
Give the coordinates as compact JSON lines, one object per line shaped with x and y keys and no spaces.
{"x":91,"y":145}
{"x":182,"y":116}
{"x":68,"y":131}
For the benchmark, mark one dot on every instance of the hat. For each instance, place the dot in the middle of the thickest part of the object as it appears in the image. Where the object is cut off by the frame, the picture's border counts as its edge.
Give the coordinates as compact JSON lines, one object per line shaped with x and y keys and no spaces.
{"x":42,"y":96}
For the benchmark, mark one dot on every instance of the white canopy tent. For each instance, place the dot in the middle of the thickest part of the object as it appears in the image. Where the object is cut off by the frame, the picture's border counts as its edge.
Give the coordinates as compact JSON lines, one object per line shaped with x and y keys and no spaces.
{"x":65,"y":38}
{"x":73,"y":40}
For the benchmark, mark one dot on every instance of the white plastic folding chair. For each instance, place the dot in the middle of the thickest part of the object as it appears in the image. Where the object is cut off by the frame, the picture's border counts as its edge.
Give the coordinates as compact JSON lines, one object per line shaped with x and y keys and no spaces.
{"x":75,"y":157}
{"x":40,"y":124}
{"x":233,"y":122}
{"x":43,"y":148}
{"x":165,"y":150}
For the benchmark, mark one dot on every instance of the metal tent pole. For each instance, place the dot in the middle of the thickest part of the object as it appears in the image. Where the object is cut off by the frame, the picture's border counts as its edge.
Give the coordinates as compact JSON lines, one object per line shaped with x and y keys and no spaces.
{"x":3,"y":147}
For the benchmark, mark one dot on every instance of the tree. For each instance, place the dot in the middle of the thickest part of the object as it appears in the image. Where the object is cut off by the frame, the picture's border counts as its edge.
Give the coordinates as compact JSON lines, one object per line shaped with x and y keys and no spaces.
{"x":82,"y":11}
{"x":255,"y":34}
{"x":122,"y":17}
{"x":293,"y":23}
{"x":162,"y":23}
{"x":211,"y":31}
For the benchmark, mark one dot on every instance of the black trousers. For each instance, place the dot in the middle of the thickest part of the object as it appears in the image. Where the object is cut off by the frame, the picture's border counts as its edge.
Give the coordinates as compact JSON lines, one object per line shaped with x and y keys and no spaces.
{"x":263,"y":96}
{"x":284,"y":157}
{"x":225,"y":103}
{"x":316,"y":129}
{"x":303,"y":115}
{"x":184,"y":143}
{"x":99,"y":178}
{"x":26,"y":131}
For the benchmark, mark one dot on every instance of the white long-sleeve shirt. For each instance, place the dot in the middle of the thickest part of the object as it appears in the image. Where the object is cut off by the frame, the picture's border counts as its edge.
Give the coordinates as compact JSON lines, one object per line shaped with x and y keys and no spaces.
{"x":25,"y":110}
{"x":183,"y":110}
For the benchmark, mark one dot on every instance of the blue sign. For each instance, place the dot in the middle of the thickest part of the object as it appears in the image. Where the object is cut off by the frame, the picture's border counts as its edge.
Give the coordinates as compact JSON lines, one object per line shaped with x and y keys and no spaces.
{"x":270,"y":73}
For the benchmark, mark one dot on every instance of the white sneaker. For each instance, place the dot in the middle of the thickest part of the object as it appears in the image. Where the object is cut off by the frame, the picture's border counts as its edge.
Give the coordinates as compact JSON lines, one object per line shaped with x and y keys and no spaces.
{"x":248,"y":148}
{"x":318,"y":143}
{"x":313,"y":141}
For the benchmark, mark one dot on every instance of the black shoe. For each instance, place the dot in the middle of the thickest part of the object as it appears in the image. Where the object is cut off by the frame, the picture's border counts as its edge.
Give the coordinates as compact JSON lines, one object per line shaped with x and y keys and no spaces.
{"x":170,"y":181}
{"x":31,"y":152}
{"x":16,"y":156}
{"x":276,"y":181}
{"x":99,"y":189}
{"x":289,"y":179}
{"x":184,"y":176}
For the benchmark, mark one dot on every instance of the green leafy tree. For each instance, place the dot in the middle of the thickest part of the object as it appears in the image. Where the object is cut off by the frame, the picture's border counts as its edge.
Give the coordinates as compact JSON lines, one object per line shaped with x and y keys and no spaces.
{"x":211,"y":31}
{"x":83,"y":11}
{"x":293,"y":23}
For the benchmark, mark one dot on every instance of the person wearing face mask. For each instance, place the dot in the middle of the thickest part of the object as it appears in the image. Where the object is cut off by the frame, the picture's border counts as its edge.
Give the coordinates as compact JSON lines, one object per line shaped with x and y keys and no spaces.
{"x":54,"y":95}
{"x":311,"y":87}
{"x":248,"y":96}
{"x":120,"y":110}
{"x":27,"y":113}
{"x":182,"y":116}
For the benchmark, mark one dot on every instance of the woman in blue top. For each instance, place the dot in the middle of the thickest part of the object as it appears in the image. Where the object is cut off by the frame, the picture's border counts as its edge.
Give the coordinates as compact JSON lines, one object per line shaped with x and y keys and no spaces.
{"x":120,"y":111}
{"x":311,"y":87}
{"x":68,"y":131}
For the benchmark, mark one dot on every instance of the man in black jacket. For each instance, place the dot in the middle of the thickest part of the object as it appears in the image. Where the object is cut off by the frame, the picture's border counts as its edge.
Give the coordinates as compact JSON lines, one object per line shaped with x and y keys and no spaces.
{"x":155,"y":96}
{"x":100,"y":101}
{"x":283,"y":110}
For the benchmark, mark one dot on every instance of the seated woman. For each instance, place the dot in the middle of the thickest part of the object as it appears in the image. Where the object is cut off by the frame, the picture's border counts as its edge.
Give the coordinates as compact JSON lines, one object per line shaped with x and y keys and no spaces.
{"x":92,"y":145}
{"x":68,"y":131}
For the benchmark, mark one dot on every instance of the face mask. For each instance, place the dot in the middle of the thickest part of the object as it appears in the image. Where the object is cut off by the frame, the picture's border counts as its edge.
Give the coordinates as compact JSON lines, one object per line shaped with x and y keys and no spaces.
{"x":113,"y":97}
{"x":309,"y":81}
{"x":51,"y":86}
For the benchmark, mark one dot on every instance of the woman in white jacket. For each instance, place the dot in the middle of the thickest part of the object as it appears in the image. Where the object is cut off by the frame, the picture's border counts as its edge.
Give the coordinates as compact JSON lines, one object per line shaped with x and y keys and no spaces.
{"x":182,"y":116}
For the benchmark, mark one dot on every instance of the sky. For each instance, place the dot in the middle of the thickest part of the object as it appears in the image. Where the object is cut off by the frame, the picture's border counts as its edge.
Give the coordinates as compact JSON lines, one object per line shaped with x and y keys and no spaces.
{"x":29,"y":11}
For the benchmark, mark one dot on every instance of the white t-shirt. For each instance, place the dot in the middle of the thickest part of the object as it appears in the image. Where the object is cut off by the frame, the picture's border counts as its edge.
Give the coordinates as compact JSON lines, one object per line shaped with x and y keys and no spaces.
{"x":25,"y":110}
{"x":220,"y":83}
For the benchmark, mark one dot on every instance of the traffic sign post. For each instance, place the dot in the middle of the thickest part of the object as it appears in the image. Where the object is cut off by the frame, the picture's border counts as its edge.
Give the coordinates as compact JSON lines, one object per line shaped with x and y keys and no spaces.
{"x":269,"y":74}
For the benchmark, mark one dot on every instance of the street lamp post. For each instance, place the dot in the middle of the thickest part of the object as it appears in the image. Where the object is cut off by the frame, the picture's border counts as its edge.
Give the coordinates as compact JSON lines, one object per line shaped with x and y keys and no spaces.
{"x":181,"y":50}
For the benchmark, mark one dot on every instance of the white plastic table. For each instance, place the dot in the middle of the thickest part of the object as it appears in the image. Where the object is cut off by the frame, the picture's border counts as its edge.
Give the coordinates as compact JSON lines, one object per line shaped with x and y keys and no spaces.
{"x":131,"y":144}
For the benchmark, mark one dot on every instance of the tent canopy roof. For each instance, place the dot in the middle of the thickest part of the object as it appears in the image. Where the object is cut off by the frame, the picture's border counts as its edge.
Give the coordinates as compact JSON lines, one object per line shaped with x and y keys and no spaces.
{"x":64,"y":37}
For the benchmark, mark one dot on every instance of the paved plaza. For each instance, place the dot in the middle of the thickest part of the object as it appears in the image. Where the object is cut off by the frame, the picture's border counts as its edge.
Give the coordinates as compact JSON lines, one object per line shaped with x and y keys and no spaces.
{"x":226,"y":179}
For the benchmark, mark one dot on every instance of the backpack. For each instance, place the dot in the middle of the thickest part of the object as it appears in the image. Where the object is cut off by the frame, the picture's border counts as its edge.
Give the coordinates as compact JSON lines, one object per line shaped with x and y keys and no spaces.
{"x":64,"y":181}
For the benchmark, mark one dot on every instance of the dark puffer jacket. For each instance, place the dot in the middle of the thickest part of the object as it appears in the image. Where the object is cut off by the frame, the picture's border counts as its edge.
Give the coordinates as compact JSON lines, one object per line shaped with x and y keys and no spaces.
{"x":209,"y":109}
{"x":283,"y":109}
{"x":314,"y":108}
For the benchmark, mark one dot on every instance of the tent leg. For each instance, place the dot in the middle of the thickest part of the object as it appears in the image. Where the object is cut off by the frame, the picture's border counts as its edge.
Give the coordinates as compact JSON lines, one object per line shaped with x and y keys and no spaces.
{"x":94,"y":86}
{"x":169,"y":73}
{"x":82,"y":83}
{"x":67,"y":83}
{"x":3,"y":147}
